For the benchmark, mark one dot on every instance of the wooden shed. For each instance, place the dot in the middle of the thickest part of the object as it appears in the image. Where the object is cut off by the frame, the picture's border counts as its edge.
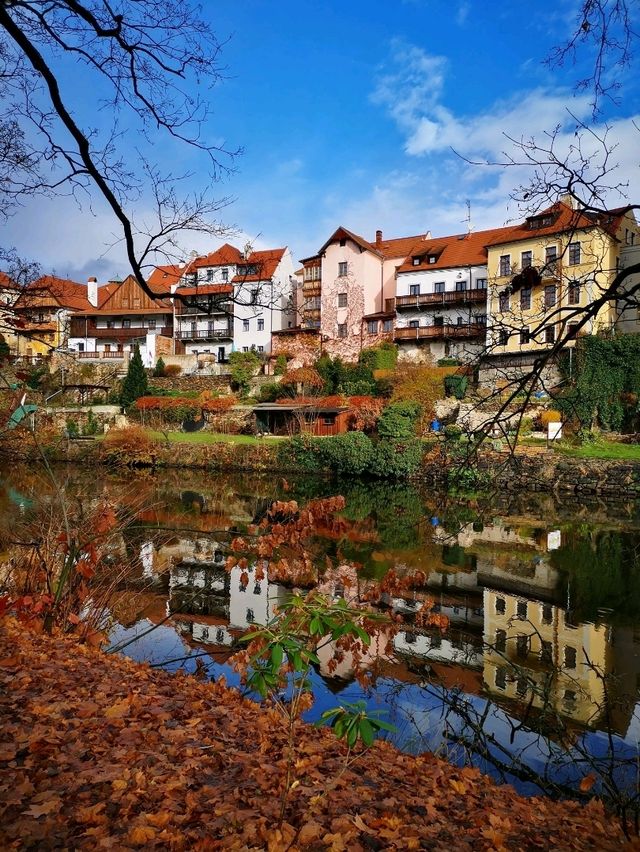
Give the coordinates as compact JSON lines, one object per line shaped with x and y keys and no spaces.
{"x":293,"y":418}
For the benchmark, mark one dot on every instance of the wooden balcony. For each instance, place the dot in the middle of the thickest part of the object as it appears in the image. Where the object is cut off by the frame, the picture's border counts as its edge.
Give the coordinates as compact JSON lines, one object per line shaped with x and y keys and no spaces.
{"x":311,"y":313}
{"x":441,"y":332}
{"x":80,"y":329}
{"x":434,"y":300}
{"x":102,"y":355}
{"x":204,"y":308}
{"x":205,"y":334}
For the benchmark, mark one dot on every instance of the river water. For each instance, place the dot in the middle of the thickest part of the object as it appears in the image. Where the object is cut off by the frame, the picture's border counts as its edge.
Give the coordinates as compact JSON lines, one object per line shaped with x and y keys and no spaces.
{"x":535,"y":680}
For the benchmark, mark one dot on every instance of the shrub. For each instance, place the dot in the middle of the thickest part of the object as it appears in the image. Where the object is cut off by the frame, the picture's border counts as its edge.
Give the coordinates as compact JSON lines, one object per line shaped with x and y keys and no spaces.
{"x":244,"y":366}
{"x":281,"y":365}
{"x":91,"y":427}
{"x":383,"y":357}
{"x":398,"y":420}
{"x":71,"y":428}
{"x":452,"y":432}
{"x":129,"y":447}
{"x":159,"y":368}
{"x":397,"y":459}
{"x":449,"y":362}
{"x":364,"y":413}
{"x":172,"y":370}
{"x":351,"y":453}
{"x":550,"y":416}
{"x":359,"y":388}
{"x":300,"y":452}
{"x":456,"y":385}
{"x":304,"y":377}
{"x":424,"y":385}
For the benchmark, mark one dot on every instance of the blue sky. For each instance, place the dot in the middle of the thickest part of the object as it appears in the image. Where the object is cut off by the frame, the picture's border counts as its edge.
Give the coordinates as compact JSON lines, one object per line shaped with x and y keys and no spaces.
{"x":347,"y":113}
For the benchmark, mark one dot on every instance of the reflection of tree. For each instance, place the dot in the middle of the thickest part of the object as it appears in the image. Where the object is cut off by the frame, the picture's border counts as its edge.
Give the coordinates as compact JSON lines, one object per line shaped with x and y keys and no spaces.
{"x":601,"y":571}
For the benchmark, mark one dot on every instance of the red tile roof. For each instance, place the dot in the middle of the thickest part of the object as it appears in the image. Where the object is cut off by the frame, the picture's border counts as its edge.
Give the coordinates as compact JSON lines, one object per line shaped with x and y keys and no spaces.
{"x":226,"y":255}
{"x":266,"y":263}
{"x":451,"y":251}
{"x":387,"y":249}
{"x":164,"y":277}
{"x":50,"y":291}
{"x":563,"y":220}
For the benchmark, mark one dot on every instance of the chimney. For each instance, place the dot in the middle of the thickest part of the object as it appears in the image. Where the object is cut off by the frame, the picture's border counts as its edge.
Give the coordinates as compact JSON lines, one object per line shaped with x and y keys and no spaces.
{"x":378,"y":237}
{"x":92,"y":291}
{"x":427,"y":236}
{"x":568,"y":200}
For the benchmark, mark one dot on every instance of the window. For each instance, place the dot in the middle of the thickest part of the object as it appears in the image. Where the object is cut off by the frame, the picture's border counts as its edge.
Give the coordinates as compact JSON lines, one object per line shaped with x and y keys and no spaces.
{"x":501,"y":677}
{"x":438,"y":321}
{"x":525,"y":336}
{"x":574,"y":292}
{"x":547,"y":614}
{"x":414,"y":323}
{"x":525,"y":298}
{"x":572,"y":330}
{"x":225,"y":274}
{"x":501,"y":606}
{"x":151,"y":323}
{"x":245,"y":348}
{"x":521,"y":686}
{"x":342,"y":268}
{"x":546,"y":652}
{"x":209,"y":274}
{"x":372,"y":326}
{"x":260,"y":324}
{"x":574,"y":254}
{"x":432,"y":258}
{"x":387,"y":325}
{"x":569,"y":696}
{"x":342,"y":329}
{"x":438,"y":287}
{"x":80,"y":347}
{"x":629,"y":237}
{"x":503,"y":301}
{"x":521,"y":609}
{"x":570,"y":657}
{"x":414,"y":289}
{"x":459,"y":320}
{"x":260,"y":348}
{"x":461,"y":286}
{"x":254,"y":297}
{"x":550,"y":334}
{"x":481,"y":283}
{"x":211,"y":327}
{"x":522,"y":645}
{"x":550,"y":296}
{"x":505,"y":264}
{"x":329,"y":420}
{"x":526,"y":259}
{"x":501,"y":640}
{"x":250,"y":616}
{"x":550,"y":254}
{"x":245,"y":325}
{"x":416,"y":261}
{"x":126,"y":323}
{"x":342,"y":300}
{"x":503,"y":338}
{"x":343,"y":243}
{"x":481,"y":319}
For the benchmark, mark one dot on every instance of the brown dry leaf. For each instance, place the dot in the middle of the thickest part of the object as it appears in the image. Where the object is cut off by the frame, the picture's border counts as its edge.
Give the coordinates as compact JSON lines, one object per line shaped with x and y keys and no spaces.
{"x":141,"y":834}
{"x":47,"y":807}
{"x":118,"y":710}
{"x":587,"y":782}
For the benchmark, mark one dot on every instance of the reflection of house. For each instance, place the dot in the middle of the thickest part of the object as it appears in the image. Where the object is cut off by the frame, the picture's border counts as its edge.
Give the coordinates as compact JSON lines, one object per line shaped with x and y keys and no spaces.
{"x":534,"y":654}
{"x":254,"y":602}
{"x":43,"y":311}
{"x":121,"y":315}
{"x":289,"y":419}
{"x":9,"y":292}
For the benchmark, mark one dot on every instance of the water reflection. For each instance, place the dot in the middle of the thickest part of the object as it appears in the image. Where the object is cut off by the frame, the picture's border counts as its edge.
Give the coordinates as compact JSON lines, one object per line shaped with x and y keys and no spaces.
{"x":535,"y":678}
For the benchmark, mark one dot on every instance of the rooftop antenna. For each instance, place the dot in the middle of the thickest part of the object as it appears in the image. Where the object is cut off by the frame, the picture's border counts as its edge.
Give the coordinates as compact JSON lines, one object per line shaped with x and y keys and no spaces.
{"x":467,"y":218}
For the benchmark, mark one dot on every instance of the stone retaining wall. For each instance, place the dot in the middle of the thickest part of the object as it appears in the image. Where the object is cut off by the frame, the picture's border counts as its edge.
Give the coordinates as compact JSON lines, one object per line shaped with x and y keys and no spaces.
{"x":191,"y":383}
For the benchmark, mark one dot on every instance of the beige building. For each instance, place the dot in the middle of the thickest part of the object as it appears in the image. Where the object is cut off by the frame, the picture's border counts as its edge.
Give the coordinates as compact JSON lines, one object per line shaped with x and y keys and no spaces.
{"x":545,"y":272}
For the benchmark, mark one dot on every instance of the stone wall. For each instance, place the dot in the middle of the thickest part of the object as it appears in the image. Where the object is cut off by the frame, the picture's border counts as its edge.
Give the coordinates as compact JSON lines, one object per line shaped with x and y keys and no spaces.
{"x":496,"y":372}
{"x":192,"y":383}
{"x":301,"y":348}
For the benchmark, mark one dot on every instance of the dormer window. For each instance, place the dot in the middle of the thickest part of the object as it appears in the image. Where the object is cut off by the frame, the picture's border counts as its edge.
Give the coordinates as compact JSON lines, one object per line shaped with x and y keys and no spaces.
{"x":416,"y":261}
{"x":432,"y":258}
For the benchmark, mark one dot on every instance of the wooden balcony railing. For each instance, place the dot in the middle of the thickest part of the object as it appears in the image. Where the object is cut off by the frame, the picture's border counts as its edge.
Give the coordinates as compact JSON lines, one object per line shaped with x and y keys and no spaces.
{"x":456,"y":297}
{"x":442,"y":332}
{"x":101,"y":354}
{"x":79,"y":329}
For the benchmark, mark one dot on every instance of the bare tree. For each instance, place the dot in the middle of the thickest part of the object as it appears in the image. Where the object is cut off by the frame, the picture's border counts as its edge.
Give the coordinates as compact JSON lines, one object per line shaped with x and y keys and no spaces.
{"x":147,"y":59}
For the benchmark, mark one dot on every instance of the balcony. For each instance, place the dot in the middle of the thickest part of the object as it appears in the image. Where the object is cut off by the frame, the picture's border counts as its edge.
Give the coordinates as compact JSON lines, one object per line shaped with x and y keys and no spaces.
{"x":204,"y":308}
{"x":311,"y":313}
{"x":102,"y":355}
{"x":311,"y":288}
{"x":79,"y":328}
{"x":205,"y":334}
{"x":441,"y":332}
{"x":457,"y":297}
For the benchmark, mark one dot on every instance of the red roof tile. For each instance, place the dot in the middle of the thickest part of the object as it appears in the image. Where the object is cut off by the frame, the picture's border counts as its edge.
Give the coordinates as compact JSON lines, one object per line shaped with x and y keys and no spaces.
{"x":50,"y":291}
{"x":398,"y":247}
{"x":164,"y":277}
{"x":451,"y":251}
{"x":226,"y":255}
{"x":563,"y":220}
{"x":266,"y":263}
{"x":205,"y":290}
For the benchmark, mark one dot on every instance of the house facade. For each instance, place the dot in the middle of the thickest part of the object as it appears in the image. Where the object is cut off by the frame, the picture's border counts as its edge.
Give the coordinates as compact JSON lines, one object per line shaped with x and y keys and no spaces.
{"x":44,"y":311}
{"x":544,"y":273}
{"x":441,"y":298}
{"x":232,"y":301}
{"x":349,"y":290}
{"x":121,"y":315}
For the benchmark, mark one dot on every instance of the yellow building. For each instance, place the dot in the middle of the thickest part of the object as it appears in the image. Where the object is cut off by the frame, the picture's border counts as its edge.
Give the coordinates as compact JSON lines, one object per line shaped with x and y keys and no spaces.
{"x":544,"y":272}
{"x":42,"y":314}
{"x":534,"y":654}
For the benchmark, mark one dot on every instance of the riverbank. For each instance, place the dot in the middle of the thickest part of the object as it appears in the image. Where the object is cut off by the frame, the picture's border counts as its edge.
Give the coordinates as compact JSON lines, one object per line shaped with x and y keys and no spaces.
{"x":98,"y":751}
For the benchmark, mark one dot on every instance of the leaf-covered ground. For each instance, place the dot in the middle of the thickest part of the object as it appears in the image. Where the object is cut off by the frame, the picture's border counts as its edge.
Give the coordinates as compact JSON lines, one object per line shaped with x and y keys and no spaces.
{"x":100,"y":752}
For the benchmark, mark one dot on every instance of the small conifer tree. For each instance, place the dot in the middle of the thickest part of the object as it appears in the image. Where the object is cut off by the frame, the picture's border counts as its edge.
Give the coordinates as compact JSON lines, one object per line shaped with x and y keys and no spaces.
{"x":159,"y":368}
{"x":135,"y":383}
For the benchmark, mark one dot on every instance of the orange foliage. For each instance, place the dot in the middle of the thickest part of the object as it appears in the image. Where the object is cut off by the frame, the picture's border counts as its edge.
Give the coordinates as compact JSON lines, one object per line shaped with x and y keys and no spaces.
{"x":303,"y":376}
{"x":424,"y":385}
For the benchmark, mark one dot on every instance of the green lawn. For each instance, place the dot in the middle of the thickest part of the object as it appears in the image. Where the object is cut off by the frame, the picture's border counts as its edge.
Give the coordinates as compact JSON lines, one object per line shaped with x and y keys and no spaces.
{"x":205,"y":438}
{"x":604,"y":450}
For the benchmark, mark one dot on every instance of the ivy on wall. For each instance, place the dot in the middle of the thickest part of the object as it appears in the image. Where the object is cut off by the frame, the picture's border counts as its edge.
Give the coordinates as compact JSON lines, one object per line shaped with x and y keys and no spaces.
{"x":604,"y":382}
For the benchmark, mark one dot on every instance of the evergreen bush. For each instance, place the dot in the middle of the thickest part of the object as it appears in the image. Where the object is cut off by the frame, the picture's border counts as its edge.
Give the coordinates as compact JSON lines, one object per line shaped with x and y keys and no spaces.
{"x":456,"y":385}
{"x":159,"y":369}
{"x":135,"y":383}
{"x":398,"y":420}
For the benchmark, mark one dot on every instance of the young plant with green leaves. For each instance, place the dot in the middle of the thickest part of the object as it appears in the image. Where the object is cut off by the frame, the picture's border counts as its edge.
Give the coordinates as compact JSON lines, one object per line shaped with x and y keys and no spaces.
{"x":280,"y":658}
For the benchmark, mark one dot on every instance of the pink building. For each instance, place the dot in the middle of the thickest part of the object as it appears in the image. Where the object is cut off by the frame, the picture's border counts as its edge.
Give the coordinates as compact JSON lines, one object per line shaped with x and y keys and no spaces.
{"x":349,"y":290}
